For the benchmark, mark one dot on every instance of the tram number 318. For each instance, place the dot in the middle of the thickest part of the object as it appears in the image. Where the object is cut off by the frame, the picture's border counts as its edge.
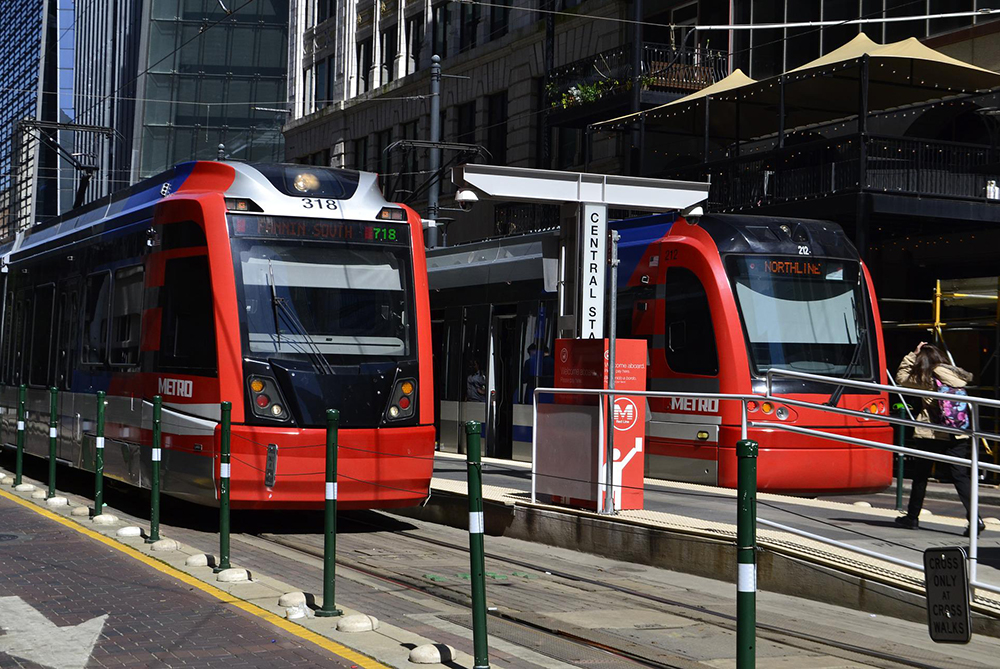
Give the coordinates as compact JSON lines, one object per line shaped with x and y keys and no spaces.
{"x":318,"y":203}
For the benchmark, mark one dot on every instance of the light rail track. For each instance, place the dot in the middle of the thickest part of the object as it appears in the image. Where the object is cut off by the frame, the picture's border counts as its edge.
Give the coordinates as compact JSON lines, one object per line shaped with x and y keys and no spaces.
{"x":774,"y":633}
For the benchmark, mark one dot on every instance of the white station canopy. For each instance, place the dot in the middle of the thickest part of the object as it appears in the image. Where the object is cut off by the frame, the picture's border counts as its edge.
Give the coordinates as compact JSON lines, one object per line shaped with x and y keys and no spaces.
{"x":522,"y":184}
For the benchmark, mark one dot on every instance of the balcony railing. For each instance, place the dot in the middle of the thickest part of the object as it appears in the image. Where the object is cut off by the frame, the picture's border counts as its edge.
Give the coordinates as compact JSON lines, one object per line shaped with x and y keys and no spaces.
{"x":828,"y":167}
{"x":610,"y":73}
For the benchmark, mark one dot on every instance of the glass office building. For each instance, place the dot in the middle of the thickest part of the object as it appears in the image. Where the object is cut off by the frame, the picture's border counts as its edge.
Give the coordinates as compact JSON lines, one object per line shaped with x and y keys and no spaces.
{"x":180,"y":78}
{"x":36,"y":48}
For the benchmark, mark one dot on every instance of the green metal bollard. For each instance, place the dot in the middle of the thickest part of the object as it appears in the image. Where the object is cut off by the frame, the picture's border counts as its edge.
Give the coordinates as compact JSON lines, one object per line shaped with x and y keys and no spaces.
{"x":746,"y":558}
{"x":227,"y":412}
{"x":53,"y":438}
{"x":329,"y":607}
{"x":900,"y":458}
{"x":154,"y":491}
{"x":99,"y":458}
{"x":477,"y":557}
{"x":19,"y":463}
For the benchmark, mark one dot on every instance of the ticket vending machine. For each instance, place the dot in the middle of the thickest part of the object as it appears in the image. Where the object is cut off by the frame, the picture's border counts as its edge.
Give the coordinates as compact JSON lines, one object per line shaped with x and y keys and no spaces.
{"x":570,"y":456}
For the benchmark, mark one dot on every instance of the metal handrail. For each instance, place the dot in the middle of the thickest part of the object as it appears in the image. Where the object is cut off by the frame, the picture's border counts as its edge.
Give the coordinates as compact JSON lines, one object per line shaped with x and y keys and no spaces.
{"x":867,"y":385}
{"x":973,"y":432}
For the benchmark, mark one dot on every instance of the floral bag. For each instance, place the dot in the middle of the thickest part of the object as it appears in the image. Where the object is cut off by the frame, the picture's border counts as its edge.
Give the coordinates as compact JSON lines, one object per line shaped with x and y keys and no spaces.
{"x":952,"y":412}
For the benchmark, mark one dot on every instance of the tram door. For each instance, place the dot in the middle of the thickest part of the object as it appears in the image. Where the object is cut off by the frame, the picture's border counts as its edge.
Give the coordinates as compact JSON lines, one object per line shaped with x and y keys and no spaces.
{"x":502,"y":380}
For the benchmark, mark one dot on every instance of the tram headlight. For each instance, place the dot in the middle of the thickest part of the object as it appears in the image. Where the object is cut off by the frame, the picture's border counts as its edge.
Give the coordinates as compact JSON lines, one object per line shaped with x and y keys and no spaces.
{"x":257,"y":385}
{"x":781,"y":413}
{"x":766,"y":407}
{"x":277,"y":410}
{"x":406,"y":387}
{"x":393,"y":411}
{"x":305,"y":182}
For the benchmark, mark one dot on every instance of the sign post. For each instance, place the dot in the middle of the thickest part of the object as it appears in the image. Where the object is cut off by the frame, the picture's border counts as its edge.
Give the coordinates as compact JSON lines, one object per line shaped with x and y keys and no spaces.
{"x":593,"y":269}
{"x":946,"y":579}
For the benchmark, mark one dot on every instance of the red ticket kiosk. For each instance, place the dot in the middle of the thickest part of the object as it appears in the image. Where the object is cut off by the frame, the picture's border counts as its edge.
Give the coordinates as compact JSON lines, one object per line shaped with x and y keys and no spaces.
{"x":572,"y":436}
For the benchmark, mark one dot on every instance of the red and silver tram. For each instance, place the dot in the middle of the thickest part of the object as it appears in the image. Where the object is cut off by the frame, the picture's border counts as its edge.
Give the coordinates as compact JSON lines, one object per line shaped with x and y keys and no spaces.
{"x":284,"y":289}
{"x":722,"y":300}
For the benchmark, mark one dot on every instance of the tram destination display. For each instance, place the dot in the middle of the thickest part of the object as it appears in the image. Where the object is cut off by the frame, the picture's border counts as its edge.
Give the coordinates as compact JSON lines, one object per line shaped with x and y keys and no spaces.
{"x":947,"y":582}
{"x":287,"y":227}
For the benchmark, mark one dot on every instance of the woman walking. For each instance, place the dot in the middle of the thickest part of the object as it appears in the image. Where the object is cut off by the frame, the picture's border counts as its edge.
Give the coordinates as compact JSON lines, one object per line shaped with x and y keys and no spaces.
{"x":927,"y":368}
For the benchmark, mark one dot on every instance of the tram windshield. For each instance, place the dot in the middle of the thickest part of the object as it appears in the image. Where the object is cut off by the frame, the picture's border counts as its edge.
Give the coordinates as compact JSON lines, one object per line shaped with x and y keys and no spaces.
{"x":337,"y":299}
{"x":803,"y":314}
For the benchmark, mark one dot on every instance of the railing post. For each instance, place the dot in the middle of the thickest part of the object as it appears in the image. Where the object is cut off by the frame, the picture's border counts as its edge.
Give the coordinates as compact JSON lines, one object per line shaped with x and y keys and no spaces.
{"x":99,"y":458}
{"x":154,"y":489}
{"x":227,"y":411}
{"x":974,"y":496}
{"x":746,"y":559}
{"x":477,"y":555}
{"x":900,"y":459}
{"x":329,"y":608}
{"x":22,"y":392}
{"x":53,"y":438}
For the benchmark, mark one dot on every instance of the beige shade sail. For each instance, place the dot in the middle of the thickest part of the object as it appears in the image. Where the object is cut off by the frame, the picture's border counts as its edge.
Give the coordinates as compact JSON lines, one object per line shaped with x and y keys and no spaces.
{"x":823,"y":90}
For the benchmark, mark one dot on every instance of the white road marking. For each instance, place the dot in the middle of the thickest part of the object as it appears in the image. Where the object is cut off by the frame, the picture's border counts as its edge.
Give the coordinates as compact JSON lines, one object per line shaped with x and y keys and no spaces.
{"x":30,"y":636}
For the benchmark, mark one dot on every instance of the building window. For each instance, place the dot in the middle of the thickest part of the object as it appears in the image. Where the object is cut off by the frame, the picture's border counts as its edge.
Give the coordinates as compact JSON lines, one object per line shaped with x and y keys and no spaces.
{"x":321,"y":81}
{"x":439,"y":35}
{"x":361,"y":154}
{"x":325,"y":9}
{"x":364,"y":65}
{"x":467,"y":123}
{"x":496,"y":127}
{"x":414,"y":42}
{"x":499,"y":18}
{"x":467,"y":27}
{"x":569,"y":152}
{"x":389,"y":55}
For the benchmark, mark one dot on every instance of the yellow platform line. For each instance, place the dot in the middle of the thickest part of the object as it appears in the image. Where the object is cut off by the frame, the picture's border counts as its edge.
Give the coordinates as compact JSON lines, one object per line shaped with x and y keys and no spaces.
{"x":293,"y":628}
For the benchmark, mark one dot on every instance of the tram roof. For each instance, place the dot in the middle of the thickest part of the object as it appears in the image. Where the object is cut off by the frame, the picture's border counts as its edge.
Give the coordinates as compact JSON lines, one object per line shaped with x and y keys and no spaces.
{"x":250,"y":181}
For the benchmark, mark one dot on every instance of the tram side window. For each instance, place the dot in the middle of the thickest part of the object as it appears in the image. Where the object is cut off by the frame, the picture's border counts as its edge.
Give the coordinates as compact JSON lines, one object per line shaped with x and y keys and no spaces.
{"x":95,"y":318}
{"x":126,"y":316}
{"x":20,"y":334}
{"x":68,"y":321}
{"x":690,"y":341}
{"x":41,"y":335}
{"x":187,"y":331}
{"x":8,"y":337}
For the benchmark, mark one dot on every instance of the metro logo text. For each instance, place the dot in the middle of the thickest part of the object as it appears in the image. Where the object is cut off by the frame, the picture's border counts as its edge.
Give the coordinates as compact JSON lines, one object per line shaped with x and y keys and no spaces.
{"x":176,"y":387}
{"x":704,"y":405}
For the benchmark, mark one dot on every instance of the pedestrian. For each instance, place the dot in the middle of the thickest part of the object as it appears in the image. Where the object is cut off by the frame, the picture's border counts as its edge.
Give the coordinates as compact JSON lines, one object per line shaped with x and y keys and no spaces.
{"x":928,"y":368}
{"x":475,"y":384}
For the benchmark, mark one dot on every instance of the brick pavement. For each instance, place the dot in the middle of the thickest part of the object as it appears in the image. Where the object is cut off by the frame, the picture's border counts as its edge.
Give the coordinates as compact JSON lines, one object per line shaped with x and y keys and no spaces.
{"x":152,"y":619}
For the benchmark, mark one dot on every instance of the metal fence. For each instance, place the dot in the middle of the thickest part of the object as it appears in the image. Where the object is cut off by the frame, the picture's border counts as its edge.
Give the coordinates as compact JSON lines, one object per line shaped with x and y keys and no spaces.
{"x":973,"y":432}
{"x":853,"y":163}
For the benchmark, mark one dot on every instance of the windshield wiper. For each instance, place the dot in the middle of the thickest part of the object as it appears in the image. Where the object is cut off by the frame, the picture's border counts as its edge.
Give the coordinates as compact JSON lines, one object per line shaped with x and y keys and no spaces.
{"x":855,"y":357}
{"x":315,"y":355}
{"x":274,"y":304}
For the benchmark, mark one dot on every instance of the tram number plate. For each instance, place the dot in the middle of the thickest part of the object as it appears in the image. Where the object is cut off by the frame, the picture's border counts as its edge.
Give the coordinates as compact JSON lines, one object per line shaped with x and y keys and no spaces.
{"x":271,"y":466}
{"x":947,"y":581}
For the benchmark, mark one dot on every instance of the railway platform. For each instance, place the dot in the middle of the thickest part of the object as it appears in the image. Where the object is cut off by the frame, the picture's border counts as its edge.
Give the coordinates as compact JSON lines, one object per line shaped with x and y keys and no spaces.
{"x":550,"y":607}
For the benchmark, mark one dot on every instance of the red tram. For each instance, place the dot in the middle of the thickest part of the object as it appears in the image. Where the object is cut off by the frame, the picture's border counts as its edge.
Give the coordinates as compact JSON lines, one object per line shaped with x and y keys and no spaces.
{"x":284,"y":289}
{"x":722,"y":300}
